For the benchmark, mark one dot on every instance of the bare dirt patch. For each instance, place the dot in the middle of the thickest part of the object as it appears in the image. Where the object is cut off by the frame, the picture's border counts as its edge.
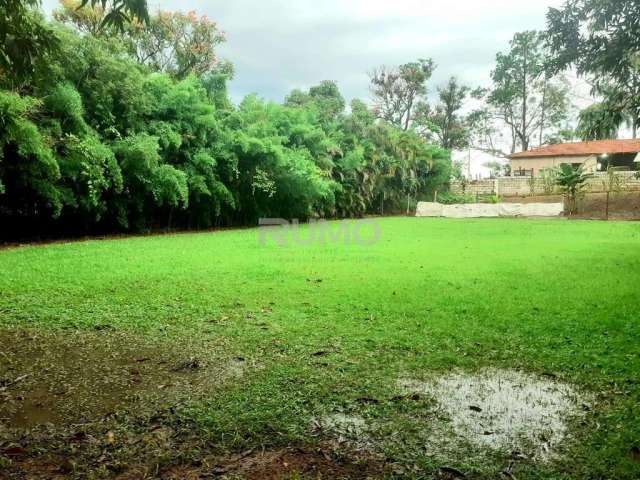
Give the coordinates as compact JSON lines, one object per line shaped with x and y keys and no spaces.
{"x":503,"y":409}
{"x":68,"y":378}
{"x":347,"y":429}
{"x":100,"y":401}
{"x":622,"y":205}
{"x":310,"y":463}
{"x":111,"y":404}
{"x":322,"y":462}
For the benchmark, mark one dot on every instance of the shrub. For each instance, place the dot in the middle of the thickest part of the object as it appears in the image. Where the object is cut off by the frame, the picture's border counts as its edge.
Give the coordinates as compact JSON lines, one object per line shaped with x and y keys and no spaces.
{"x":548,"y":178}
{"x":572,"y":182}
{"x":448,"y":198}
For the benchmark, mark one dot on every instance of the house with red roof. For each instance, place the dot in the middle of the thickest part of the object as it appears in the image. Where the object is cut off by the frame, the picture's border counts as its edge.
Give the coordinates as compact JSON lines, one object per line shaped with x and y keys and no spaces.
{"x":594,"y":156}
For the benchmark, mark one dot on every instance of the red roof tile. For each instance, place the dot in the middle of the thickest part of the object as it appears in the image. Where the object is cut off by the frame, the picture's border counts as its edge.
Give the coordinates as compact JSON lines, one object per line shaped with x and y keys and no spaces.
{"x":598,"y":147}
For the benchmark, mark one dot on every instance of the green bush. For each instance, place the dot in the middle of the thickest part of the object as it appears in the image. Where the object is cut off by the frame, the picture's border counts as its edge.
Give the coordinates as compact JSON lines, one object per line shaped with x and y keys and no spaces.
{"x":103,"y":142}
{"x":452,"y":198}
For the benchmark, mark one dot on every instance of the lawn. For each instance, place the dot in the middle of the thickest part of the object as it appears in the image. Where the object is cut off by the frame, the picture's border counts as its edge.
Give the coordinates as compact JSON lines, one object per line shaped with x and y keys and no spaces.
{"x":214,"y":352}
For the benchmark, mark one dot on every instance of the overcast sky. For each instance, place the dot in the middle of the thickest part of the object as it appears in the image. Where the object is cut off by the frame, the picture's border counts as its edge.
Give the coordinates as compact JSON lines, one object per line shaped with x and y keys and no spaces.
{"x":279,"y":45}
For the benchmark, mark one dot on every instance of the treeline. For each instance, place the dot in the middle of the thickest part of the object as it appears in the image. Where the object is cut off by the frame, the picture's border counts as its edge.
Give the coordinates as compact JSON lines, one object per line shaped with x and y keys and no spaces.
{"x":130,"y":128}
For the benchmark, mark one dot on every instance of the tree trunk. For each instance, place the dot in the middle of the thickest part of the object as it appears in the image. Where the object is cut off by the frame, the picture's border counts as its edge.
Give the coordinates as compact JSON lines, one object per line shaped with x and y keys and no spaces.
{"x":408,"y":119}
{"x":543,"y":111}
{"x":525,"y":143}
{"x":514,"y":141}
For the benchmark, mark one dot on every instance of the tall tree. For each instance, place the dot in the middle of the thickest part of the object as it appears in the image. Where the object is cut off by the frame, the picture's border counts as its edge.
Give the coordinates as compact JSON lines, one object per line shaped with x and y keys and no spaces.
{"x":119,"y":13}
{"x":24,"y":40}
{"x":524,"y":98}
{"x":324,"y":97}
{"x":444,"y":122}
{"x":396,"y":91}
{"x":599,"y":122}
{"x":601,"y":39}
{"x":329,"y":100}
{"x":177,"y":43}
{"x":173,"y":42}
{"x":87,"y":20}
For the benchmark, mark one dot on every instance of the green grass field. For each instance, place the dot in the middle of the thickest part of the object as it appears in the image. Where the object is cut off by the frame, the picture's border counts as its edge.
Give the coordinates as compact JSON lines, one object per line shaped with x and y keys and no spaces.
{"x":282,"y":336}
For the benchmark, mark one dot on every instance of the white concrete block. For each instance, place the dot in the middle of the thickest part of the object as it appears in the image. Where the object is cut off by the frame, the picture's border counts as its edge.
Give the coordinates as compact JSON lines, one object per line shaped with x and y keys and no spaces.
{"x":429,"y":209}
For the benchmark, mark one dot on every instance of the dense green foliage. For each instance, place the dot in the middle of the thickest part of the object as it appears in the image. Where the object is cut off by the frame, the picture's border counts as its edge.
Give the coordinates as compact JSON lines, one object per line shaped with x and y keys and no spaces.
{"x":572,"y":182}
{"x":115,"y":134}
{"x":599,"y":122}
{"x":25,"y":40}
{"x":601,"y":40}
{"x":431,"y":297}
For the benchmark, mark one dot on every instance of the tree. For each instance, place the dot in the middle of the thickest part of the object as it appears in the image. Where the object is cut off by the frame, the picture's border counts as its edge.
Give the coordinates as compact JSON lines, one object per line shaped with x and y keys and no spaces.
{"x":611,"y":184}
{"x":87,"y":20}
{"x":28,"y":168}
{"x":357,"y":168}
{"x":601,"y":39}
{"x":572,"y":182}
{"x":119,"y":13}
{"x":623,"y":100}
{"x":329,"y":100}
{"x":173,"y":42}
{"x":599,"y":122}
{"x":177,"y":43}
{"x":444,"y":122}
{"x":524,"y":99}
{"x":24,"y":40}
{"x":325,"y":97}
{"x":280,"y":173}
{"x":396,"y":91}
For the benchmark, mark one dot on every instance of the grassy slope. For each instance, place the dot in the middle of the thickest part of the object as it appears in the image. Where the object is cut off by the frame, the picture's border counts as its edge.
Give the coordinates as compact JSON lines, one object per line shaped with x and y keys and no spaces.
{"x":545,"y":296}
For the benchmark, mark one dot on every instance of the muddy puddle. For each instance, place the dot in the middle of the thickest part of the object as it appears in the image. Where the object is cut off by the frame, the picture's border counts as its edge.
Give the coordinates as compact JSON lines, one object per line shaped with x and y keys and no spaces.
{"x":68,"y":378}
{"x":503,"y":409}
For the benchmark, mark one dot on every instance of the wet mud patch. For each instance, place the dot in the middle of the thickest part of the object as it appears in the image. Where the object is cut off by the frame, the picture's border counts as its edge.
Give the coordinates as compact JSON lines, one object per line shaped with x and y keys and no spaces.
{"x":502,"y":410}
{"x":74,"y":403}
{"x":309,"y":463}
{"x":76,"y":378}
{"x":350,"y":430}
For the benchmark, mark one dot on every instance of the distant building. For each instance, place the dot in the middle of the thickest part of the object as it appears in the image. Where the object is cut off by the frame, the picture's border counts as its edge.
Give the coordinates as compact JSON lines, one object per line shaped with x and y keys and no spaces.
{"x":593,"y":156}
